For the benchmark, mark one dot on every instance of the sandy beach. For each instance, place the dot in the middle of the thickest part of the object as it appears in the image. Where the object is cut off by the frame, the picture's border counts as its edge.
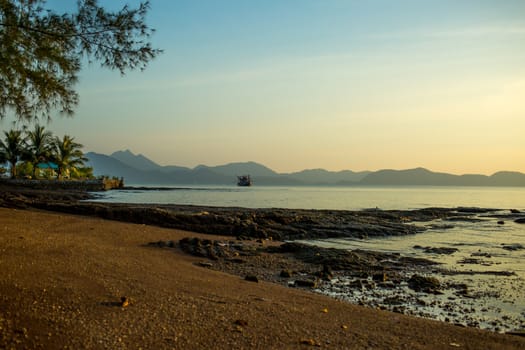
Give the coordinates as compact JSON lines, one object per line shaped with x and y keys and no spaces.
{"x":63,"y":278}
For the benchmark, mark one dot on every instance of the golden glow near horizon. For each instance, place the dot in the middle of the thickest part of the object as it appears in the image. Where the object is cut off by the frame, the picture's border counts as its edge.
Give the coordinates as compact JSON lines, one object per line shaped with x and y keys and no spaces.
{"x":332,"y":84}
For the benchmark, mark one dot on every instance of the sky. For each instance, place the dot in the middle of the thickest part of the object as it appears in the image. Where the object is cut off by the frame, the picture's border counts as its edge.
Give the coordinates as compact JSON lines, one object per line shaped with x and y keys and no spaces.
{"x":303,"y":84}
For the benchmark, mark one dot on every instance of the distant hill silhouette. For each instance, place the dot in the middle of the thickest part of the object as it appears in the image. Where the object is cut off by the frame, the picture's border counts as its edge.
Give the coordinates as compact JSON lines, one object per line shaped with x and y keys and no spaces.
{"x":324,"y":177}
{"x":107,"y":165}
{"x":136,"y":161}
{"x":424,"y":177}
{"x":234,"y":169}
{"x":159,"y":175}
{"x":508,"y":178}
{"x":139,"y":170}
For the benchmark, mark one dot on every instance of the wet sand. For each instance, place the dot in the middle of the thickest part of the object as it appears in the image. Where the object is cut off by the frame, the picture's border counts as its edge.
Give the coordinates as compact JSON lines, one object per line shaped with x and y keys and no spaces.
{"x":62,"y":278}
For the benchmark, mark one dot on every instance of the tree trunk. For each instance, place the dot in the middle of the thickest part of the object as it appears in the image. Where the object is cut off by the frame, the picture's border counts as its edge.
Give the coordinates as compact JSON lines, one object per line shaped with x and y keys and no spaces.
{"x":13,"y":170}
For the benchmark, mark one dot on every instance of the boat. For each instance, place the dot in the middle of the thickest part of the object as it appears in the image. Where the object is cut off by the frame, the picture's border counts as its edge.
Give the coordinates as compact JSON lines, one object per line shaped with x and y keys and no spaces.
{"x":244,"y":180}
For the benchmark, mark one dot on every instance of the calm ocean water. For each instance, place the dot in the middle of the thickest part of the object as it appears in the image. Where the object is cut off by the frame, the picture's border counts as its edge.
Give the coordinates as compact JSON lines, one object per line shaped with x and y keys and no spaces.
{"x":481,"y":245}
{"x":348,"y":198}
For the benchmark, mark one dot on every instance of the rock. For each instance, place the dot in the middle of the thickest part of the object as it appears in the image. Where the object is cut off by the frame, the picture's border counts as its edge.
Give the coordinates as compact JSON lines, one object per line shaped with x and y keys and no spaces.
{"x":357,"y":284}
{"x":212,"y":249}
{"x":515,"y":211}
{"x":380,"y":277}
{"x":124,"y":301}
{"x":439,"y":250}
{"x":479,"y":253}
{"x":463,"y":218}
{"x":159,"y":244}
{"x":424,"y":284}
{"x":362,"y":284}
{"x":340,"y":260}
{"x":399,"y":309}
{"x":518,"y":332}
{"x":242,"y":323}
{"x":462,"y":290}
{"x":310,"y":342}
{"x":286,"y":273}
{"x":473,"y":210}
{"x":326,"y":273}
{"x":441,"y":226}
{"x":501,"y":222}
{"x":305,"y":283}
{"x":473,"y":261}
{"x":512,"y":247}
{"x":387,"y":285}
{"x":394,"y":300}
{"x":251,"y":278}
{"x":520,"y":221}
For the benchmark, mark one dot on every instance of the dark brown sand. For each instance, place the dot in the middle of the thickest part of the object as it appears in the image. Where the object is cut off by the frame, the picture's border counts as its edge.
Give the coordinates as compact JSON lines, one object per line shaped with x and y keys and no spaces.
{"x":62,"y":278}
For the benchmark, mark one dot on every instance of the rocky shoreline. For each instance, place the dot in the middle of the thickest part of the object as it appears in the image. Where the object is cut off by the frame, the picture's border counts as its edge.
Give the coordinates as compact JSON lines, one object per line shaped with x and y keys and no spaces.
{"x":274,"y":223}
{"x":76,"y":282}
{"x":257,"y":252}
{"x":386,"y":281}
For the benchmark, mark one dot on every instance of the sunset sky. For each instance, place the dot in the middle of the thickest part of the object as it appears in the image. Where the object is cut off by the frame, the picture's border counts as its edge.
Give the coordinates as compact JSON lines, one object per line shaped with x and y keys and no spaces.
{"x":334,"y":84}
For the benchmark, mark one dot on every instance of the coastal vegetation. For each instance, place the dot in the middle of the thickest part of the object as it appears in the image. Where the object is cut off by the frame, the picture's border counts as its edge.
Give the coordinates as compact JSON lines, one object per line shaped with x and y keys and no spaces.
{"x":37,"y":153}
{"x":43,"y":51}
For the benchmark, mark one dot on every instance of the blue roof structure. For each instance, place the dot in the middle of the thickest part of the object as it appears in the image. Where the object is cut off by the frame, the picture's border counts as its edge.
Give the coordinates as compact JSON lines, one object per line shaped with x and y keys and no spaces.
{"x":48,"y":165}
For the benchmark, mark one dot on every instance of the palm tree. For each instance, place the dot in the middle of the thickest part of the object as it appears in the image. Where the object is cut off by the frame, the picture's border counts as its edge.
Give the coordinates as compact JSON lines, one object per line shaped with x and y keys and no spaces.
{"x":67,"y":154}
{"x":39,"y":144}
{"x":12,"y":149}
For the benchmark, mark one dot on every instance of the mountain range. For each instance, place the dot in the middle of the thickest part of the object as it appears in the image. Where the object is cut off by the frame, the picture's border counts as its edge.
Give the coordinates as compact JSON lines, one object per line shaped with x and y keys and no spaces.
{"x":139,"y":170}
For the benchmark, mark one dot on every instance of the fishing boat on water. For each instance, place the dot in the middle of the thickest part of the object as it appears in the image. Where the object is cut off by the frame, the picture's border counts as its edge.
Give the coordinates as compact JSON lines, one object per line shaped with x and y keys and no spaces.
{"x":244,"y":180}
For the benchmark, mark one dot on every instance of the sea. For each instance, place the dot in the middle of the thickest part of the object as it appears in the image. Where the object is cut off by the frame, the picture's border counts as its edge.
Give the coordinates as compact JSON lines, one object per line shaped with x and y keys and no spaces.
{"x":490,"y":256}
{"x":327,"y":197}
